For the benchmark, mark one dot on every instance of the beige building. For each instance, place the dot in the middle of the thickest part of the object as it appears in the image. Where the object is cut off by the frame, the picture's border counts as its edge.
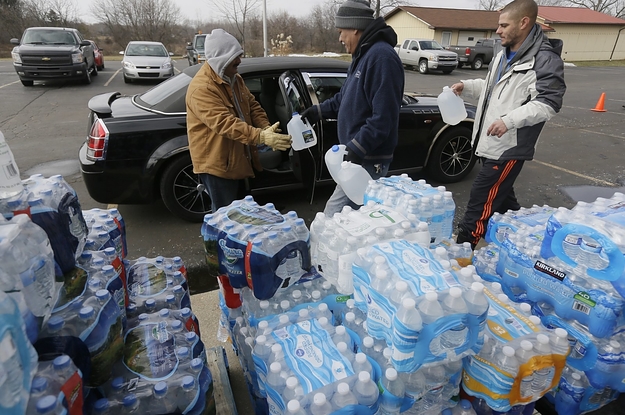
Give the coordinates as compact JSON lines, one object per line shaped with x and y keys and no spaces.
{"x":587,"y":34}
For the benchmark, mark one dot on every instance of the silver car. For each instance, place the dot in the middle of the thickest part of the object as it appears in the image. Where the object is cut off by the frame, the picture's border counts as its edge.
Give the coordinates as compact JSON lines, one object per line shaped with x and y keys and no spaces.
{"x":146,"y":60}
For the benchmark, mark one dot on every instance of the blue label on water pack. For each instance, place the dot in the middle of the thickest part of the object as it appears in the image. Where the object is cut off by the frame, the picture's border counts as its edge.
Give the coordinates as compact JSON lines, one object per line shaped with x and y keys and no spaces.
{"x":311,"y":354}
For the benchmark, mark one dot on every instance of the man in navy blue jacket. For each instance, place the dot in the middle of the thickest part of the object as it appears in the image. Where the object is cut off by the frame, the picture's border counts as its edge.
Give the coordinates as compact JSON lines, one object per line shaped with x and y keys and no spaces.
{"x":367,"y":107}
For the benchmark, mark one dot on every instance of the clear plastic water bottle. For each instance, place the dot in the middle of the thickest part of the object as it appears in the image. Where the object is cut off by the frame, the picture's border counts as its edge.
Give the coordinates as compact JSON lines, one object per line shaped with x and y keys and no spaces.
{"x":343,"y":397}
{"x":399,"y":293}
{"x":431,"y":311}
{"x":438,"y":215}
{"x":345,"y":351}
{"x":365,"y":389}
{"x":542,"y":377}
{"x":130,"y":404}
{"x":102,"y":407}
{"x":570,"y":393}
{"x":274,"y":379}
{"x":394,"y":391}
{"x":341,"y":335}
{"x":361,"y":363}
{"x":293,"y":407}
{"x":435,"y":383}
{"x":415,"y":384}
{"x":454,"y":304}
{"x":559,"y":341}
{"x":409,"y":316}
{"x":320,"y":405}
{"x":49,"y":405}
{"x":293,"y":390}
{"x":163,"y":398}
{"x":448,"y":217}
{"x":463,"y":408}
{"x":524,"y":354}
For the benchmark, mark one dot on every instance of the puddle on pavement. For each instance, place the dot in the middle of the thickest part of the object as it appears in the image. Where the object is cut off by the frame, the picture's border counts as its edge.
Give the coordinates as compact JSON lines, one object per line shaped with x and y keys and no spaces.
{"x":590,"y":193}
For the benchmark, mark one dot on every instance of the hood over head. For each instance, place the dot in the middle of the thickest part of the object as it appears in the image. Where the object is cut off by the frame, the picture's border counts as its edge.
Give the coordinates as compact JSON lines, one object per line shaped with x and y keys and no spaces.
{"x":221,"y":49}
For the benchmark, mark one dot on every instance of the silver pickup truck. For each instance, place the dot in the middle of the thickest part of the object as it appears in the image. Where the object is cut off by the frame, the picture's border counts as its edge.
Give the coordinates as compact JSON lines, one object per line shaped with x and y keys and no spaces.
{"x":427,"y":55}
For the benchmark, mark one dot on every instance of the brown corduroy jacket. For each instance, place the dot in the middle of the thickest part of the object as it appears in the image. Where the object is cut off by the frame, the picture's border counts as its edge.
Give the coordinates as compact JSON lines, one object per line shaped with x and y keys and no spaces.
{"x":220,"y":142}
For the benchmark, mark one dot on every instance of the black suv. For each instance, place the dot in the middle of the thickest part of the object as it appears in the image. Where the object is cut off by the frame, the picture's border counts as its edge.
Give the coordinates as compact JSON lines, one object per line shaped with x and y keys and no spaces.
{"x":53,"y":53}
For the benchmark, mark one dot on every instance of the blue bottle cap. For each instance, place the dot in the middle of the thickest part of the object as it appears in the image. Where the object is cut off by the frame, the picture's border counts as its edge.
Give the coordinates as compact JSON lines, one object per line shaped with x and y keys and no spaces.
{"x":196,"y":363}
{"x":35,"y":202}
{"x":61,"y":362}
{"x":130,"y":399}
{"x":103,"y":235}
{"x":14,"y":203}
{"x":178,"y":275}
{"x":86,"y":312}
{"x":170,"y":282}
{"x":177,"y":260}
{"x":131,"y":308}
{"x":160,"y":389}
{"x":110,"y":251}
{"x":190,"y":336}
{"x":335,"y":148}
{"x":143,"y":316}
{"x":299,"y":222}
{"x":98,"y":262}
{"x":102,"y":295}
{"x":183,"y":352}
{"x":86,"y":255}
{"x":108,"y":269}
{"x":94,"y":284}
{"x":286,"y":228}
{"x":465,"y":404}
{"x":118,"y":383}
{"x":40,"y":384}
{"x":46,"y":404}
{"x":294,"y":113}
{"x":272,"y":235}
{"x":150,"y":303}
{"x":170,"y":299}
{"x":185,"y":312}
{"x":446,"y":412}
{"x":178,"y":289}
{"x":164,"y":312}
{"x":159,"y":259}
{"x":114,"y":211}
{"x":188,"y":382}
{"x":56,"y":323}
{"x":176,"y":325}
{"x":101,"y":405}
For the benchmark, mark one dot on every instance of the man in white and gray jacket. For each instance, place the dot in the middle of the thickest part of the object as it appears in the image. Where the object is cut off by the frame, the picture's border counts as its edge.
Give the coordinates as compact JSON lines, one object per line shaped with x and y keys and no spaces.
{"x":523,"y":89}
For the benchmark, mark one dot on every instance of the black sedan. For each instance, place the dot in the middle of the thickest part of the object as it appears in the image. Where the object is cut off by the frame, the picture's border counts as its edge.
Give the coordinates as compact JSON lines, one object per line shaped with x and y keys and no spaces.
{"x":137,"y":149}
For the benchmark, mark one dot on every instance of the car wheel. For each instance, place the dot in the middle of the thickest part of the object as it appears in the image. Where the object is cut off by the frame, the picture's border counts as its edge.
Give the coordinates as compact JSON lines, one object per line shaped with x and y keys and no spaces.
{"x":182,"y":191}
{"x":452,"y":157}
{"x":423,"y":66}
{"x":477,"y":64}
{"x":27,"y":83}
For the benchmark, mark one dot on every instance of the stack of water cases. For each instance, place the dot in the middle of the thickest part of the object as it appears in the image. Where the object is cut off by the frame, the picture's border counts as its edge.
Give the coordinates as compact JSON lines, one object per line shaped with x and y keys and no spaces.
{"x":569,"y":266}
{"x":94,"y":320}
{"x":425,"y":313}
{"x":433,"y":205}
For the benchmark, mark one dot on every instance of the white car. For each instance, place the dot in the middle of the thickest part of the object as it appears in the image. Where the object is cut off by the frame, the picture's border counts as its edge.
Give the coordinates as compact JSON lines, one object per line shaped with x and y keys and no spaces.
{"x":146,"y":60}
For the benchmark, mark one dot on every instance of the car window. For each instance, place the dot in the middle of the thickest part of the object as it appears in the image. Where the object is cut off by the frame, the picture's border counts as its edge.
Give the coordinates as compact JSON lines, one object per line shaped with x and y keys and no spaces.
{"x":146,"y":50}
{"x":430,"y":45}
{"x":199,"y":42}
{"x":49,"y":37}
{"x":168,"y":96}
{"x":326,"y":87}
{"x":414,"y":45}
{"x":406,"y":43}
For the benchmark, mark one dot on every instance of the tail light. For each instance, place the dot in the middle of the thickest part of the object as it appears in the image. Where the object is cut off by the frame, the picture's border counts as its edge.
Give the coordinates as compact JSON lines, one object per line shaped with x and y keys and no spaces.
{"x":97,"y":141}
{"x":467,"y":51}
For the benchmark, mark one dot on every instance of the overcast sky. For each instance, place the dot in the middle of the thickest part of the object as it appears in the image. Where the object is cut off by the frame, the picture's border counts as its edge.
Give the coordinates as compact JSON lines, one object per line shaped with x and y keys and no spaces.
{"x":200,"y":9}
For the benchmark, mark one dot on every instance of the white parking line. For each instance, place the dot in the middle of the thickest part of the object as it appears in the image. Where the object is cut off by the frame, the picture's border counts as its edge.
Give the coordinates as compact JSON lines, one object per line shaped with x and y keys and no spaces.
{"x":112,"y":206}
{"x":574,"y":173}
{"x":2,"y":86}
{"x":112,"y":76}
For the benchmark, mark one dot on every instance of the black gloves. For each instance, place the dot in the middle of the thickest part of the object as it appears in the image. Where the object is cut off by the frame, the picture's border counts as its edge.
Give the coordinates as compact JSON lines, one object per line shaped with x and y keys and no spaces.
{"x":312,"y":115}
{"x":351,"y":156}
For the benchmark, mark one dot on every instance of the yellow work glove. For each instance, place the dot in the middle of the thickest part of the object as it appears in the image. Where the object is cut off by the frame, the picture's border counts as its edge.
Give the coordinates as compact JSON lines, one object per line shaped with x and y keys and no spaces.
{"x":276,"y":141}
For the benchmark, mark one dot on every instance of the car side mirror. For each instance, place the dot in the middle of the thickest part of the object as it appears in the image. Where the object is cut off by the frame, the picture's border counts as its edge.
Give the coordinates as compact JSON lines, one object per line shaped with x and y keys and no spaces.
{"x":85,"y":43}
{"x":415,"y":48}
{"x":171,"y":53}
{"x":15,"y":41}
{"x":121,"y":52}
{"x":189,"y":46}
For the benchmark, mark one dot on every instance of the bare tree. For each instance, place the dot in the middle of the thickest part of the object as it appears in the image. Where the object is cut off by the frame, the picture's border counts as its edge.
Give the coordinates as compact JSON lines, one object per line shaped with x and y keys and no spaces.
{"x":603,"y":6}
{"x":491,"y":5}
{"x":237,"y":13}
{"x":127,"y":20}
{"x":60,"y":13}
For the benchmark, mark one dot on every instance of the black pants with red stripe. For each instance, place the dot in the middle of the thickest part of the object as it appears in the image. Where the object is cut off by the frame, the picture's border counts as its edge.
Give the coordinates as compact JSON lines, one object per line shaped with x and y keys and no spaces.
{"x":492,"y":191}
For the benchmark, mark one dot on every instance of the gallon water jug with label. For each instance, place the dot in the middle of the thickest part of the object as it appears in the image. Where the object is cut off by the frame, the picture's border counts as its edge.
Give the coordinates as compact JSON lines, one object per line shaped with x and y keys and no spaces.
{"x":301,"y":132}
{"x":353,"y":178}
{"x":452,"y":107}
{"x":334,"y":157}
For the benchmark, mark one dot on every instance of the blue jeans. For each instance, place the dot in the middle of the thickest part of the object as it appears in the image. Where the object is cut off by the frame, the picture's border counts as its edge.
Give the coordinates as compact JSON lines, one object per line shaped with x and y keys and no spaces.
{"x":339,"y":199}
{"x":222,"y":191}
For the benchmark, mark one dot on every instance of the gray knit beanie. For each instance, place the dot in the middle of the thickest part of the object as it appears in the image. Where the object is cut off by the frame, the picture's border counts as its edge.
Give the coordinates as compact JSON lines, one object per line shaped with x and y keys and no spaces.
{"x":354,"y":14}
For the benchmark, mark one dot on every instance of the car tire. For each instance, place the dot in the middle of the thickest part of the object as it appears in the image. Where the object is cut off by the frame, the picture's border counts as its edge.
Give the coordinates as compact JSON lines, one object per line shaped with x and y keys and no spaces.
{"x":27,"y":82}
{"x":94,"y":72}
{"x":423,"y":66}
{"x":477,"y":64}
{"x":182,"y":191}
{"x":452,"y":157}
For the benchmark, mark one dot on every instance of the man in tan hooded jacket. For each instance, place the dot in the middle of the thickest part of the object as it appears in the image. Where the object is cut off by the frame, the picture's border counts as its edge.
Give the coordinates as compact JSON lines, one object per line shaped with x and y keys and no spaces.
{"x":225,"y":123}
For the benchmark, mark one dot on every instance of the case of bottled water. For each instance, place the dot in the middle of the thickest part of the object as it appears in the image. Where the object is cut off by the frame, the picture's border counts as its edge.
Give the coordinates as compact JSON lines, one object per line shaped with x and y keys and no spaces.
{"x":336,"y":241}
{"x":53,"y":205}
{"x":500,"y":225}
{"x":18,"y":359}
{"x":110,"y":221}
{"x":520,"y":360}
{"x":435,"y":206}
{"x":256,"y":246}
{"x":434,"y":318}
{"x":27,"y":263}
{"x":62,"y":380}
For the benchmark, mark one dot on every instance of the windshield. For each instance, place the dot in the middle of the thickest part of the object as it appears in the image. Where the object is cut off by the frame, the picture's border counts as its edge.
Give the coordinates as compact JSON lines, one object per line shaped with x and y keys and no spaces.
{"x":167,"y":97}
{"x":199,"y":42}
{"x":146,"y":50}
{"x":430,"y":45}
{"x":49,"y":37}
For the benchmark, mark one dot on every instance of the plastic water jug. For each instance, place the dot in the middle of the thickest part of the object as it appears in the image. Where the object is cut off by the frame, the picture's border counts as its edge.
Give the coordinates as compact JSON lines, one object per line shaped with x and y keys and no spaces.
{"x":352,"y":178}
{"x":301,"y":132}
{"x":451,"y":106}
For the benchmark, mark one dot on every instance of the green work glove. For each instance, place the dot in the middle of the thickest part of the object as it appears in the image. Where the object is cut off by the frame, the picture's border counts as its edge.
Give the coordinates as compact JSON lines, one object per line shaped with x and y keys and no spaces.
{"x":276,"y":141}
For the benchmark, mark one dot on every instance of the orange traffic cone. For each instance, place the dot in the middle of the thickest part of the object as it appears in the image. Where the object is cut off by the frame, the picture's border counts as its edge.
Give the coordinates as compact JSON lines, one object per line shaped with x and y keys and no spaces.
{"x":600,"y":104}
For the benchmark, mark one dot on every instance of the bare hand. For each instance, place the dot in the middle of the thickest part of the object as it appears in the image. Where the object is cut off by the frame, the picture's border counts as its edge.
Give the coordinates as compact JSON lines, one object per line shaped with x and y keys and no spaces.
{"x":497,"y":128}
{"x":457,"y":88}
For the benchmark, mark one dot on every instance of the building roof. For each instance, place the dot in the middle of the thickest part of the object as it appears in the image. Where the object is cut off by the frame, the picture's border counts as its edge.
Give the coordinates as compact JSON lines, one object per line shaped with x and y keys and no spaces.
{"x":439,"y":18}
{"x":578,"y":15}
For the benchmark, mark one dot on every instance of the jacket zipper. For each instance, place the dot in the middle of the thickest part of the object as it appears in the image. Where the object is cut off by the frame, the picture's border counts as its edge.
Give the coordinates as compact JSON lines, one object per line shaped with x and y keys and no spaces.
{"x":502,"y":88}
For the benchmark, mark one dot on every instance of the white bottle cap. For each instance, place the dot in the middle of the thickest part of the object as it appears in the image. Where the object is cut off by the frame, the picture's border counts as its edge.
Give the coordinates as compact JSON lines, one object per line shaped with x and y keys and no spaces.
{"x":340,"y":330}
{"x":431,"y":296}
{"x":293,"y":406}
{"x":284,"y":319}
{"x":381,"y":274}
{"x":576,"y":376}
{"x":323,"y":307}
{"x":401,"y":286}
{"x":542,"y":338}
{"x":391,"y":374}
{"x":379,"y":260}
{"x":323,"y":321}
{"x":477,"y":287}
{"x":387,"y":353}
{"x":319,"y":399}
{"x":316,"y":294}
{"x":275,"y":367}
{"x":291,"y":382}
{"x":368,"y":342}
{"x":350,"y":317}
{"x":526,"y":345}
{"x":342,"y":346}
{"x":297,"y":294}
{"x":263,"y":325}
{"x":525,"y":307}
{"x":262,"y":339}
{"x":361,"y":357}
{"x":342,"y":388}
{"x":508,"y":351}
{"x":408,"y":303}
{"x":455,"y":292}
{"x":535,"y":320}
{"x":276,"y":348}
{"x":466,"y":272}
{"x":364,"y":376}
{"x":562,"y":333}
{"x":285,"y":304}
{"x":440,"y":251}
{"x":615,"y":344}
{"x":351,"y":303}
{"x":264,"y":304}
{"x":303,"y":313}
